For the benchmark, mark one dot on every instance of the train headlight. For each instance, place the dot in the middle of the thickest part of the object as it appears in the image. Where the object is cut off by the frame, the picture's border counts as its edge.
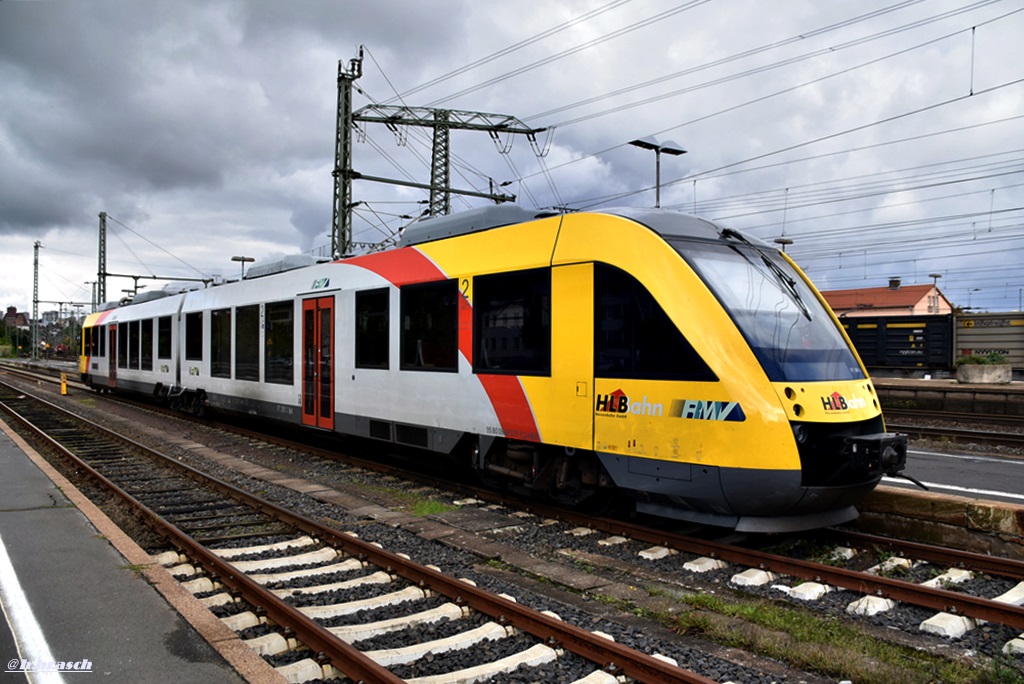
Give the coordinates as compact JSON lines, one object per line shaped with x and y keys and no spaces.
{"x":800,"y":433}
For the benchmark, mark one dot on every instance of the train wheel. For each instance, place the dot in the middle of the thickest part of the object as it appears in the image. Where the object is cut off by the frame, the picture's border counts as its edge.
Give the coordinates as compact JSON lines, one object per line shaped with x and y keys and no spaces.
{"x":198,"y":406}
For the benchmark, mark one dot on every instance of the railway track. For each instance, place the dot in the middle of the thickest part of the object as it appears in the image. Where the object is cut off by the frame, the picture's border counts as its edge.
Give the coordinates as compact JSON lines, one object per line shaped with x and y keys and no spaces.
{"x":1004,"y":419}
{"x":986,"y":438}
{"x":942,"y":589}
{"x":971,"y":428}
{"x":241,"y":552}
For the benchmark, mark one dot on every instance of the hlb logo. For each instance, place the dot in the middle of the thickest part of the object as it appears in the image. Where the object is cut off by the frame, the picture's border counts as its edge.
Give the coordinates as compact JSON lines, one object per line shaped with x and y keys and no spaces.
{"x":618,"y":403}
{"x":321,"y":283}
{"x":837,"y":402}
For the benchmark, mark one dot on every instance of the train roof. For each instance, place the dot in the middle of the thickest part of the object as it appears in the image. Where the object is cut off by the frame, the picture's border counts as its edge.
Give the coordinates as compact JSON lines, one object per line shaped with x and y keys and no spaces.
{"x":433,"y":228}
{"x":666,"y":223}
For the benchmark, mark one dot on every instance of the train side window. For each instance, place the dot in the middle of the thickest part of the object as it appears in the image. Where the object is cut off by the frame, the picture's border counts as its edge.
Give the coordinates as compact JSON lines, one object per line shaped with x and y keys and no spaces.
{"x":163,"y":337}
{"x":372,"y":311}
{"x":133,"y":345}
{"x":194,"y":336}
{"x":512,"y":323}
{"x":247,"y":343}
{"x":220,"y":343}
{"x":146,"y":338}
{"x":430,"y":326}
{"x":101,"y":337}
{"x":279,"y":349}
{"x":634,"y":337}
{"x":122,"y":345}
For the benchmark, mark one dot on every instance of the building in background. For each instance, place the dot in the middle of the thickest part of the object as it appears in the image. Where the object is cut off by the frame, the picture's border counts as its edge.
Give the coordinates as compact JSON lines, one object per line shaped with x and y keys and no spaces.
{"x":14,"y":319}
{"x":895,"y":300}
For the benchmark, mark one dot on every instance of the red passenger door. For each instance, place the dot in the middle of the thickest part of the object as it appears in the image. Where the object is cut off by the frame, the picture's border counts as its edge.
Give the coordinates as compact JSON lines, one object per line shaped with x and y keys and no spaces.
{"x":318,"y":362}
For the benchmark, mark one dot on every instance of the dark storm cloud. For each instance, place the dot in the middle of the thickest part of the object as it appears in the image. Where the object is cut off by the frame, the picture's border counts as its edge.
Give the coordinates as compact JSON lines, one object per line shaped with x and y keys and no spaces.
{"x":207,"y":125}
{"x":87,"y":107}
{"x":129,"y":97}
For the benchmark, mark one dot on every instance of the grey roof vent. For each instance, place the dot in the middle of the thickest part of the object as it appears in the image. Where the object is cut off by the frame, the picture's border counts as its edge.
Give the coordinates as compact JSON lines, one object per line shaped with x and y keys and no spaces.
{"x":465,"y":222}
{"x":148,"y":296}
{"x":286,"y":263}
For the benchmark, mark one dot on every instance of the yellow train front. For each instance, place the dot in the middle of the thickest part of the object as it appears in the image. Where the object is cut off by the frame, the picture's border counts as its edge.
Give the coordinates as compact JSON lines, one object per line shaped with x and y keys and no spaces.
{"x":684,"y":363}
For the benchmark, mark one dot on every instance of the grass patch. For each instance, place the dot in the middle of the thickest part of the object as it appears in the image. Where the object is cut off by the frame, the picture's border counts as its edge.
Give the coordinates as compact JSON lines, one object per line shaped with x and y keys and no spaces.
{"x":827,"y":645}
{"x":413,"y":503}
{"x":427,"y":507}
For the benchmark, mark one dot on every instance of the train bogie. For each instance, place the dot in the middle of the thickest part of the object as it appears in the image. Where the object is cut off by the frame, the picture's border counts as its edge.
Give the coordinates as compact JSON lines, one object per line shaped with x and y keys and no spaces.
{"x":571,"y":355}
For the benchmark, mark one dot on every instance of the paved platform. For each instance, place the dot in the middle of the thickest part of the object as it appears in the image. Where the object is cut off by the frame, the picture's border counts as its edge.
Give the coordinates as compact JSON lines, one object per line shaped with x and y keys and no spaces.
{"x":69,"y":596}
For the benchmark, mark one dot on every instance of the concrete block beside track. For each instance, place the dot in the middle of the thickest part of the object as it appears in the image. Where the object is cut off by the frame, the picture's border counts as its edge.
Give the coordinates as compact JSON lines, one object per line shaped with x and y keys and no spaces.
{"x":950,"y":396}
{"x":971,"y":524}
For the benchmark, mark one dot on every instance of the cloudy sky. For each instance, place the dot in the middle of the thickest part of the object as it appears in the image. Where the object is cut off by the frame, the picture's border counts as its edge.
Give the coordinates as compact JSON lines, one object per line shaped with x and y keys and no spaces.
{"x":883,"y":137}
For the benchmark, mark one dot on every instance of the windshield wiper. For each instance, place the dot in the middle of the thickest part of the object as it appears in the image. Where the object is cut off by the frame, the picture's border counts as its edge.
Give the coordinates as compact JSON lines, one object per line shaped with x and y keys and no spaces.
{"x":788,"y":282}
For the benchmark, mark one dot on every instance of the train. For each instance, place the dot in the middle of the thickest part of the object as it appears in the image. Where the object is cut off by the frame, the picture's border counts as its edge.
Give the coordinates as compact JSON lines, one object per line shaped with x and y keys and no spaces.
{"x":909,"y":346}
{"x":636,"y":354}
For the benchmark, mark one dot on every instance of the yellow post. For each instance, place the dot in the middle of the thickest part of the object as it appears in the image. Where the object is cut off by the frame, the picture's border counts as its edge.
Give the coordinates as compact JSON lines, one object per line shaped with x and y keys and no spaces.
{"x":64,"y":384}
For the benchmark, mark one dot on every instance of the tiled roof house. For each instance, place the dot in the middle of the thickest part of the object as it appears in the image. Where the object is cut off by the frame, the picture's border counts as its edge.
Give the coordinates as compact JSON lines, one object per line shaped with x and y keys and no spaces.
{"x":912,"y":300}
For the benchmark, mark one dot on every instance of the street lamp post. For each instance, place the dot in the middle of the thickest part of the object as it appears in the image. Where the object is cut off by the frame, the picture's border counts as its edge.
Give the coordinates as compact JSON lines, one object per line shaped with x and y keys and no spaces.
{"x":244,"y":260}
{"x":782,"y":241}
{"x":935,"y":297}
{"x":668,"y":147}
{"x":970,"y":293}
{"x":92,"y":300}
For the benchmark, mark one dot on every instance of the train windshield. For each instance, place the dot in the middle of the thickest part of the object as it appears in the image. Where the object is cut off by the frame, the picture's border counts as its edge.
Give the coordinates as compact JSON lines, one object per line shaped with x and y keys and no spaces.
{"x":788,"y":328}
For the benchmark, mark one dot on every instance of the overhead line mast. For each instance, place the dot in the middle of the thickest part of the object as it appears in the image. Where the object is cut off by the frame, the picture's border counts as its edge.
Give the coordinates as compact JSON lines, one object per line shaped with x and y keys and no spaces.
{"x":442,"y":121}
{"x":341,"y":226}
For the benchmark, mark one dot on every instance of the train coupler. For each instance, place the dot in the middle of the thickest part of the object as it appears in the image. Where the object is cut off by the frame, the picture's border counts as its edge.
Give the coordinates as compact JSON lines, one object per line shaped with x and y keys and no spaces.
{"x":885,"y":451}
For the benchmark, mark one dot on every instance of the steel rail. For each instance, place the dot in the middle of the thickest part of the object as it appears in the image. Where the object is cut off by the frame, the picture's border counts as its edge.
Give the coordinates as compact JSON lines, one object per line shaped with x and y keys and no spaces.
{"x":898,"y":590}
{"x":613,"y":657}
{"x":340,"y":654}
{"x":993,"y":565}
{"x":956,"y":416}
{"x":1011,"y":439}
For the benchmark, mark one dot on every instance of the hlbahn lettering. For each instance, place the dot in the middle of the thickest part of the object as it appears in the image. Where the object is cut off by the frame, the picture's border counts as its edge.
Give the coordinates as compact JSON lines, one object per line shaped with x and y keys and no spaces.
{"x":618,"y":403}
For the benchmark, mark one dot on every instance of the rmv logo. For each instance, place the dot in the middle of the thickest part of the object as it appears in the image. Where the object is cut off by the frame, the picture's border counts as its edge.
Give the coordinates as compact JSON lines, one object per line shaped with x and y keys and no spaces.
{"x":618,"y":402}
{"x":696,"y":409}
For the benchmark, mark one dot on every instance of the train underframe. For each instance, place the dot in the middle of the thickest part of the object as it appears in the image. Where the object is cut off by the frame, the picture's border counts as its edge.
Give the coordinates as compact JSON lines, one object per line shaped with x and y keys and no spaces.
{"x":840,"y":465}
{"x":564,"y":474}
{"x":748,"y":500}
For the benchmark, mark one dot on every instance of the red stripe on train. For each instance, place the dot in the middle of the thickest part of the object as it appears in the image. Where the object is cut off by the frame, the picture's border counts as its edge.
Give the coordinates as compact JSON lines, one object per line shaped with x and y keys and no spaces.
{"x":399,"y":266}
{"x":409,"y":265}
